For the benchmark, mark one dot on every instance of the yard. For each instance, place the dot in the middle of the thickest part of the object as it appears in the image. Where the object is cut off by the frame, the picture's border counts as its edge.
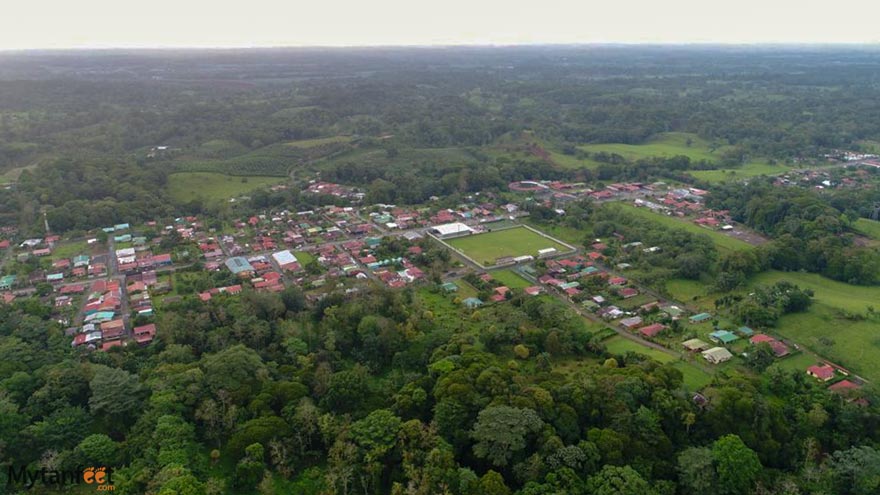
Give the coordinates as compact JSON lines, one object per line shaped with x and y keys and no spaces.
{"x":721,"y":240}
{"x":694,"y":377}
{"x":186,"y":186}
{"x":519,"y":241}
{"x":511,"y":279}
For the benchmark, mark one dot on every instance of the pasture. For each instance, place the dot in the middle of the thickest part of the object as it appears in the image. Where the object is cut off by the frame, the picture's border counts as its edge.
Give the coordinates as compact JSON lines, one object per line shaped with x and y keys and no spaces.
{"x":719,"y":239}
{"x":667,"y":144}
{"x":518,"y":241}
{"x":868,"y":228}
{"x":751,"y":169}
{"x":186,"y":186}
{"x":312,"y":143}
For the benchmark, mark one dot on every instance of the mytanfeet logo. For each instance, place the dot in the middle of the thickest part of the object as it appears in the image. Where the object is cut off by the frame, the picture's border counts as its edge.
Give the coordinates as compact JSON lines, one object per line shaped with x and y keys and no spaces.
{"x":100,"y":477}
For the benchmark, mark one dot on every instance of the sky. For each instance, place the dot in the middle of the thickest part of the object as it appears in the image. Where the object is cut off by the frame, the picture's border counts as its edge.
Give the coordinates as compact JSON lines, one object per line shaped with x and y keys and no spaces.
{"x":38,"y":24}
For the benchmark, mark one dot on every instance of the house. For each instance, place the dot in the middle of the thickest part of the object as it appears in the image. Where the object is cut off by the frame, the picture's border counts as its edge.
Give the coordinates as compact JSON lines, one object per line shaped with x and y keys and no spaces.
{"x":449,"y":287}
{"x":717,"y":355}
{"x":7,"y":282}
{"x":472,"y":302}
{"x":652,"y":330}
{"x":695,"y":345}
{"x":632,"y":322}
{"x":824,"y":372}
{"x":240,"y":266}
{"x":723,"y":337}
{"x":745,"y":331}
{"x":80,"y":260}
{"x":700,"y":318}
{"x":844,"y":386}
{"x":628,"y":292}
{"x":533,"y":290}
{"x":144,"y":334}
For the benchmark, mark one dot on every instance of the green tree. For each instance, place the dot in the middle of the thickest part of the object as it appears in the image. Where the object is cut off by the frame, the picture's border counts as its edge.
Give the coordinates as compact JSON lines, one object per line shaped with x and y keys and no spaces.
{"x":737,"y":465}
{"x":116,"y":393}
{"x":855,"y":471}
{"x":492,"y":483}
{"x":501,"y":432}
{"x":98,"y":450}
{"x":617,"y":480}
{"x":696,"y":470}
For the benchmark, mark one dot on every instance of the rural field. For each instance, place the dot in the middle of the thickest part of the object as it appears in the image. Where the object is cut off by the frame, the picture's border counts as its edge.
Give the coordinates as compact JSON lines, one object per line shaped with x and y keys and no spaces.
{"x":519,"y":241}
{"x":185,"y":186}
{"x":666,"y":144}
{"x":747,"y":170}
{"x":312,"y":143}
{"x":721,"y":240}
{"x":869,"y":228}
{"x":694,"y":377}
{"x":829,"y":327}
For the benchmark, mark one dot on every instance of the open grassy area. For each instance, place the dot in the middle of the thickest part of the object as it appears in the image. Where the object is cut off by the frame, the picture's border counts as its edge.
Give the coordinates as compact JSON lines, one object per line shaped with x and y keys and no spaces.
{"x":486,"y":248}
{"x":185,"y":186}
{"x":747,"y":170}
{"x":70,"y":249}
{"x":721,"y":240}
{"x":569,"y":161}
{"x":303,"y":257}
{"x":564,"y":233}
{"x":869,"y":228}
{"x":694,"y":377}
{"x":311,"y":143}
{"x":510,"y":278}
{"x":666,"y":144}
{"x":853,"y":298}
{"x":621,"y":345}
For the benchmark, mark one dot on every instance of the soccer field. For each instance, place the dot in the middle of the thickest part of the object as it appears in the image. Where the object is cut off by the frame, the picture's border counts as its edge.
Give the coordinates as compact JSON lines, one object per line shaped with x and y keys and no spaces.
{"x":519,"y":241}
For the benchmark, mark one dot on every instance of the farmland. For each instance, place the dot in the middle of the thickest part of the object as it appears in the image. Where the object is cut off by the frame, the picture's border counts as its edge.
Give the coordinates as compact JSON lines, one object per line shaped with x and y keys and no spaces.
{"x":721,"y":240}
{"x":486,"y":248}
{"x":185,"y":186}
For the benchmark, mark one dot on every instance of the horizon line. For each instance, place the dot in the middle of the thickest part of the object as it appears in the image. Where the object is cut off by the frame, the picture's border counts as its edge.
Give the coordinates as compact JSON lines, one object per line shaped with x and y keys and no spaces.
{"x":221,"y":47}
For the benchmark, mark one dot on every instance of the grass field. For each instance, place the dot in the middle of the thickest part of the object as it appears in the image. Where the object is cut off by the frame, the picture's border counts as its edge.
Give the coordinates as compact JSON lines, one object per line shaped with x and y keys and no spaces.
{"x":510,"y":279}
{"x":694,"y":378}
{"x":311,"y":143}
{"x":303,"y":257}
{"x":832,"y":293}
{"x":486,"y":248}
{"x":621,"y":345}
{"x":568,"y":161}
{"x":750,"y":169}
{"x":870,"y":228}
{"x":722,"y":241}
{"x":666,"y":144}
{"x":185,"y":186}
{"x":69,"y":250}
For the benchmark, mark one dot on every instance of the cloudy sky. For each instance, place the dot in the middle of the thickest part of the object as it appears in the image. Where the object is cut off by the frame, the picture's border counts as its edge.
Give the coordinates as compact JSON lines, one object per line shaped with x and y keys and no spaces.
{"x":240,"y":23}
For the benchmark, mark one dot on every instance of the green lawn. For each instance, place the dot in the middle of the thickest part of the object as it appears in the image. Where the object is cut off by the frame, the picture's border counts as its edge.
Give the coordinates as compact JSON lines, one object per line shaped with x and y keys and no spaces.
{"x":510,"y":279}
{"x":870,"y":228}
{"x":694,"y":377}
{"x":185,"y":186}
{"x":569,"y":161}
{"x":666,"y":144}
{"x":721,"y":240}
{"x":798,"y":362}
{"x":486,"y":248}
{"x":565,"y":233}
{"x":750,"y":169}
{"x":303,"y":257}
{"x":69,"y":250}
{"x":622,"y":345}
